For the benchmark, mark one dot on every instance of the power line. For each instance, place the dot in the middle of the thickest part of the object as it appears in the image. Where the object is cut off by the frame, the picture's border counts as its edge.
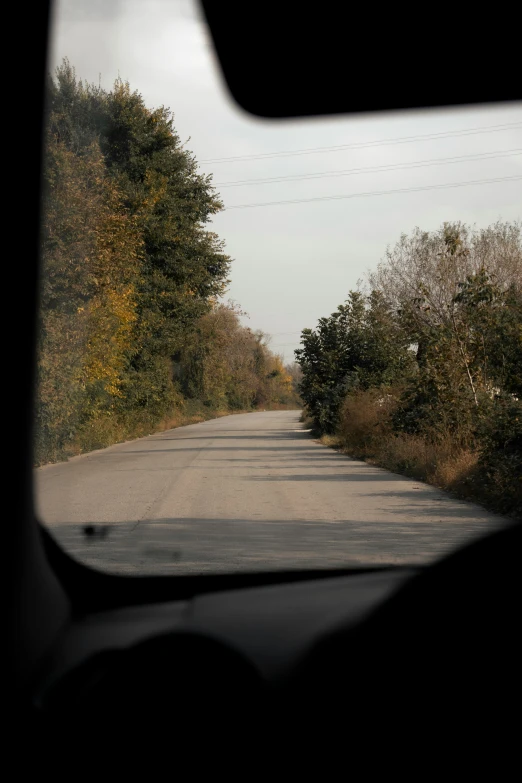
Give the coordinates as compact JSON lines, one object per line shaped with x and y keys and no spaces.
{"x":384,"y":167}
{"x":361,"y":145}
{"x":375,"y":193}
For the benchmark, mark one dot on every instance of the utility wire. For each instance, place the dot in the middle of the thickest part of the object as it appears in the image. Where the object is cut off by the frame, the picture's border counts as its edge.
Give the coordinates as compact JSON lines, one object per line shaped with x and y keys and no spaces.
{"x":362,"y":145}
{"x":376,"y":193}
{"x":368,"y":169}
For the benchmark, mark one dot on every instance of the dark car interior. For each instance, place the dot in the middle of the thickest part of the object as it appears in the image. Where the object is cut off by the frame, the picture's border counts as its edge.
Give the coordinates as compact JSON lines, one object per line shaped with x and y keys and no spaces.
{"x":405,"y":662}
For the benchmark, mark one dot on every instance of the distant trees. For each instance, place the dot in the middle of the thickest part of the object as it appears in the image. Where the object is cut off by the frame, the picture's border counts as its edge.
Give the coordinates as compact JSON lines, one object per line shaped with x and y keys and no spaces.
{"x":441,"y":334}
{"x":295,"y":373}
{"x":131,"y":277}
{"x":228,"y":366}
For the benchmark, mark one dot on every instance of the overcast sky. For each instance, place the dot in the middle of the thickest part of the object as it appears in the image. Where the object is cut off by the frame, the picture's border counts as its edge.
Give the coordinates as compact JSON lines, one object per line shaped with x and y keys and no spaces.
{"x":294,"y":263}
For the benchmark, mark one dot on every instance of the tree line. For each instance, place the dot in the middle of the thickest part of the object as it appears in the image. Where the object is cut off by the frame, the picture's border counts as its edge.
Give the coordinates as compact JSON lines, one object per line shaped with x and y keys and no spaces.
{"x":133,"y":330}
{"x":420,"y":371}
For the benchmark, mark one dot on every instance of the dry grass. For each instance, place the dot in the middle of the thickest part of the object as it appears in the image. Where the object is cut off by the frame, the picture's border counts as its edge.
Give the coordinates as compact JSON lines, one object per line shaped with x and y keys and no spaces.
{"x":331,"y":440}
{"x":281,"y":406}
{"x":442,"y":464}
{"x":365,"y":421}
{"x":365,"y":432}
{"x":306,"y":420}
{"x":107,"y":430}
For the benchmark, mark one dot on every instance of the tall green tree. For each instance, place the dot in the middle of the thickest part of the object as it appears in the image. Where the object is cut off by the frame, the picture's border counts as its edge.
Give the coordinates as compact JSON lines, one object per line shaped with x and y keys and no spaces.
{"x":362,"y":344}
{"x":90,"y":257}
{"x":183,"y":266}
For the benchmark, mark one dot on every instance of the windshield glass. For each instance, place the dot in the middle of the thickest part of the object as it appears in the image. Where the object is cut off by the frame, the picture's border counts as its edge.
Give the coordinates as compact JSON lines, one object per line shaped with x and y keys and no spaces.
{"x":267,"y":344}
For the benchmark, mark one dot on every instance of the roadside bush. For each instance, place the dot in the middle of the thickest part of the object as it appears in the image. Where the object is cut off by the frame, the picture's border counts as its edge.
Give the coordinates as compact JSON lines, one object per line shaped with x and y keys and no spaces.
{"x":500,"y":461}
{"x":443,"y":327}
{"x":491,"y":472}
{"x":365,"y":421}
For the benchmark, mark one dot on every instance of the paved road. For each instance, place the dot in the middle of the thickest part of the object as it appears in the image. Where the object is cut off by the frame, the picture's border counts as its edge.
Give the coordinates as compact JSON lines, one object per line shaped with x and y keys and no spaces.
{"x":252,"y":491}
